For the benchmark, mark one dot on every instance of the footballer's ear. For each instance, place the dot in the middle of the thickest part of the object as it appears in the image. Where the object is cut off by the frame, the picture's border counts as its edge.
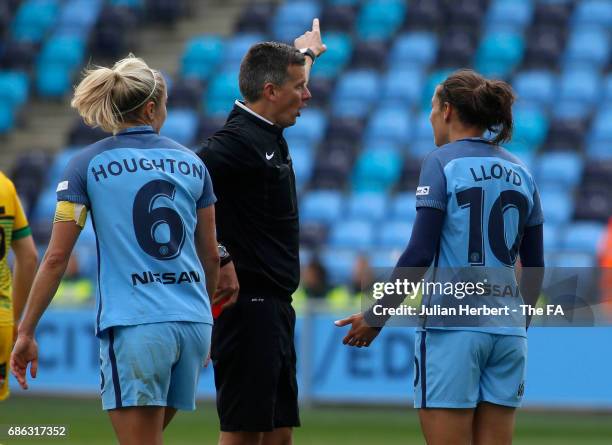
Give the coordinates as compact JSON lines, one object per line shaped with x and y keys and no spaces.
{"x":447,"y":110}
{"x":269,"y":92}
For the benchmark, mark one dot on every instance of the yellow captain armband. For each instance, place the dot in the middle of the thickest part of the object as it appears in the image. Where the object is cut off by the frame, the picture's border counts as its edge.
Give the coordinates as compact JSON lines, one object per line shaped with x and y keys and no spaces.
{"x":70,"y":211}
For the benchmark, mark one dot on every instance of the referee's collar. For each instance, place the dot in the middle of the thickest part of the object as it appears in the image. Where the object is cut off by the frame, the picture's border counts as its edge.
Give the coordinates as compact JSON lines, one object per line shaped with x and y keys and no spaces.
{"x":139,"y":129}
{"x":258,"y":119}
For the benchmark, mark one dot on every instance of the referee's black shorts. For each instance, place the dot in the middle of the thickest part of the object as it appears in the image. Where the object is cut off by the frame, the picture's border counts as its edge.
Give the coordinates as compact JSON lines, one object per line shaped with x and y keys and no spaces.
{"x":254,"y":360}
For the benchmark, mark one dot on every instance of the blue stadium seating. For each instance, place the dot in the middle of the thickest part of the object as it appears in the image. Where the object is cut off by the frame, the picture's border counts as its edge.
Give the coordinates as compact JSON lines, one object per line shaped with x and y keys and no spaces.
{"x":222,"y":92}
{"x":588,"y":47}
{"x":552,"y":237}
{"x":310,"y":126}
{"x":380,"y":19}
{"x":499,"y":53}
{"x":181,"y":125}
{"x":293,"y":19}
{"x":394,"y":234}
{"x":201,"y":57}
{"x":530,"y":127}
{"x":414,"y":50}
{"x":368,"y":206}
{"x":77,"y":17}
{"x":391,"y":124}
{"x":572,"y":259}
{"x":384,"y":258}
{"x":53,"y":80}
{"x":583,"y":237}
{"x":337,"y":56}
{"x":539,"y":87}
{"x":303,"y":161}
{"x":403,"y":86}
{"x":7,"y":117}
{"x":34,"y":19}
{"x":376,"y":170}
{"x":557,"y":206}
{"x":13,"y":88}
{"x":509,"y":14}
{"x":403,"y":207}
{"x":339,"y":264}
{"x":236,"y":47}
{"x":602,"y":126}
{"x":580,"y":85}
{"x":599,"y":150}
{"x":352,"y":234}
{"x":593,"y":12}
{"x":435,"y":78}
{"x":66,"y":50}
{"x":321,"y":206}
{"x":562,"y":168}
{"x":355,"y":93}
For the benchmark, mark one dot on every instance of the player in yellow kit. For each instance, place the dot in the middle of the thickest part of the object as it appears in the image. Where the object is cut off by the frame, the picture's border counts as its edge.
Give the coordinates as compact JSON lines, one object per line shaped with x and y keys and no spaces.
{"x":14,"y":234}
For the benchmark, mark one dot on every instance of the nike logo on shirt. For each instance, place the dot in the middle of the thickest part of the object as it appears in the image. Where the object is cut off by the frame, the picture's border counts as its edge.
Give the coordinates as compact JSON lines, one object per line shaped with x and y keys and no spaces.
{"x":269,"y":156}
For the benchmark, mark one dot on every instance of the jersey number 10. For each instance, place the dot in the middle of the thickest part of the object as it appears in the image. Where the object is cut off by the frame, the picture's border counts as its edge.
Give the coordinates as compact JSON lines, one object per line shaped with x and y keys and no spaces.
{"x":474,"y":198}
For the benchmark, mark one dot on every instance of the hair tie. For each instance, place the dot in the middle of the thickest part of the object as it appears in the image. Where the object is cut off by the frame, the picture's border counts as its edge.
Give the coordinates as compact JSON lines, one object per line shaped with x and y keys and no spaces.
{"x":147,"y":98}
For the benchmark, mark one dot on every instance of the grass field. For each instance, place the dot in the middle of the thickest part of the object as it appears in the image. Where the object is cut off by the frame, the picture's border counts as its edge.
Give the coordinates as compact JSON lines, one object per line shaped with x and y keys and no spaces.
{"x":89,"y":425}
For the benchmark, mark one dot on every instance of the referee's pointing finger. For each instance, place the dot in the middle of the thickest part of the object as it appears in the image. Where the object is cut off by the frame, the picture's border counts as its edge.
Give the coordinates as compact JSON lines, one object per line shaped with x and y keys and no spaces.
{"x":315,"y":26}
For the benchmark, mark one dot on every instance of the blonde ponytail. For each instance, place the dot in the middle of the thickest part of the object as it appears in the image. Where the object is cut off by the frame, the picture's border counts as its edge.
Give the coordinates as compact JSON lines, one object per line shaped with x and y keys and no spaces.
{"x":110,"y":98}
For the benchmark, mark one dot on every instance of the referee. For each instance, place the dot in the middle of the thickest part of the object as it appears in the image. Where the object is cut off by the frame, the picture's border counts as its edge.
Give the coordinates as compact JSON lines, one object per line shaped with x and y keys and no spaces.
{"x":257,"y":221}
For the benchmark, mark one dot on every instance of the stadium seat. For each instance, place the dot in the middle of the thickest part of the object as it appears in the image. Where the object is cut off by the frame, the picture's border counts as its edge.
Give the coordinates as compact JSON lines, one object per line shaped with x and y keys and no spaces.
{"x":185,"y":93}
{"x":593,"y":12}
{"x":424,"y":15}
{"x":465,"y":13}
{"x":380,"y":19}
{"x":384,"y":258}
{"x":321,"y":89}
{"x":580,"y":86}
{"x":34,"y":19}
{"x":536,"y":86}
{"x":166,"y":11}
{"x":512,"y":15}
{"x":376,"y":170}
{"x":347,"y":129}
{"x":588,"y":47}
{"x":573,"y":260}
{"x":65,"y":50}
{"x":321,"y":206}
{"x":312,"y":235}
{"x":566,"y":134}
{"x":18,"y":56}
{"x":333,"y":165}
{"x":77,"y":17}
{"x":583,"y":237}
{"x":236,"y":47}
{"x":352,"y":234}
{"x":337,"y":56}
{"x":201,"y":57}
{"x":111,"y":37}
{"x":369,"y":54}
{"x":309,"y":127}
{"x":414,"y":50}
{"x":53,"y":80}
{"x":599,"y":150}
{"x":303,"y":161}
{"x":530,"y":126}
{"x":563,"y":168}
{"x":601,"y":129}
{"x":402,"y":86}
{"x":403,"y":207}
{"x":7,"y":117}
{"x":255,"y":17}
{"x":499,"y":53}
{"x":391,"y":123}
{"x":458,"y":48}
{"x":339,"y":264}
{"x":544,"y":45}
{"x":394,"y":234}
{"x":181,"y":125}
{"x":594,"y":202}
{"x":338,"y":17}
{"x":367,"y":206}
{"x":552,"y":236}
{"x":292,"y":19}
{"x":13,"y":88}
{"x":557,"y":206}
{"x":355,"y":93}
{"x":222,"y":92}
{"x":553,"y":14}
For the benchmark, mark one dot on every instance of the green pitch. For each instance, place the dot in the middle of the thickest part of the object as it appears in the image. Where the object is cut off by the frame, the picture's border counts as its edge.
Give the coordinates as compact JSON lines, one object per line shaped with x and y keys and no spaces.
{"x":89,"y":425}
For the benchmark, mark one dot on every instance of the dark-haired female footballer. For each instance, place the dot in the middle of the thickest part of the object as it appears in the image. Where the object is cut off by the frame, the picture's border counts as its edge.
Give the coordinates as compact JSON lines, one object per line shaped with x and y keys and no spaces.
{"x":477,"y":209}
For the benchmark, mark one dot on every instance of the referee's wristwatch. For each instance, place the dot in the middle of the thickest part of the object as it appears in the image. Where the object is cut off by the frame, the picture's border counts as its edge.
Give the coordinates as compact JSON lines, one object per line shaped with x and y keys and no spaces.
{"x":309,"y":53}
{"x":224,"y":256}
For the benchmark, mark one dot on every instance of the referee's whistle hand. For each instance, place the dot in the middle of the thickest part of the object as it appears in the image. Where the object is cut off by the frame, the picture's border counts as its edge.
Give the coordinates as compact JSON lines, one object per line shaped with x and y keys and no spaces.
{"x":227,"y":287}
{"x":361,"y":334}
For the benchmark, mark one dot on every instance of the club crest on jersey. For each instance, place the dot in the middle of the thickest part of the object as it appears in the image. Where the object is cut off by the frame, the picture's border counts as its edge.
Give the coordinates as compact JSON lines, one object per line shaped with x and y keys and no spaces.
{"x":422,"y":190}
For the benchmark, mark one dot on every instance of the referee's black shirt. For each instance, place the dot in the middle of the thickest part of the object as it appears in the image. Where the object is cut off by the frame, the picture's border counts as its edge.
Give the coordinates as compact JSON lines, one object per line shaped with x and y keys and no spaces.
{"x":256,"y":209}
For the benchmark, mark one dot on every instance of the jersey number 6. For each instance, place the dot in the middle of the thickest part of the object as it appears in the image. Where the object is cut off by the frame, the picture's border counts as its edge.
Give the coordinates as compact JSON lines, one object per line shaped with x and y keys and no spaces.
{"x":148,"y":221}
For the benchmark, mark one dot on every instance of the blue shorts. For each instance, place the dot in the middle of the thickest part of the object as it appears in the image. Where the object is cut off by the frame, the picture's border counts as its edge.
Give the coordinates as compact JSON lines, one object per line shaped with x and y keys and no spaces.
{"x":155,"y":364}
{"x":459,"y":369}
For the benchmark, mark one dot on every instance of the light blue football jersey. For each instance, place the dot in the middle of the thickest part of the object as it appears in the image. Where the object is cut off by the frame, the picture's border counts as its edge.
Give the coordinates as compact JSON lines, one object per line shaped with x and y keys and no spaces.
{"x":489,"y":198}
{"x":143,"y":191}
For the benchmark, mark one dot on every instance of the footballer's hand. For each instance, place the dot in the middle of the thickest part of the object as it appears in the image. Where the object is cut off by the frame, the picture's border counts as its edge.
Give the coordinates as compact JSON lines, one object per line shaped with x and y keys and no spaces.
{"x":360,"y":334}
{"x":227,"y":287}
{"x":311,"y":39}
{"x":24,"y":353}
